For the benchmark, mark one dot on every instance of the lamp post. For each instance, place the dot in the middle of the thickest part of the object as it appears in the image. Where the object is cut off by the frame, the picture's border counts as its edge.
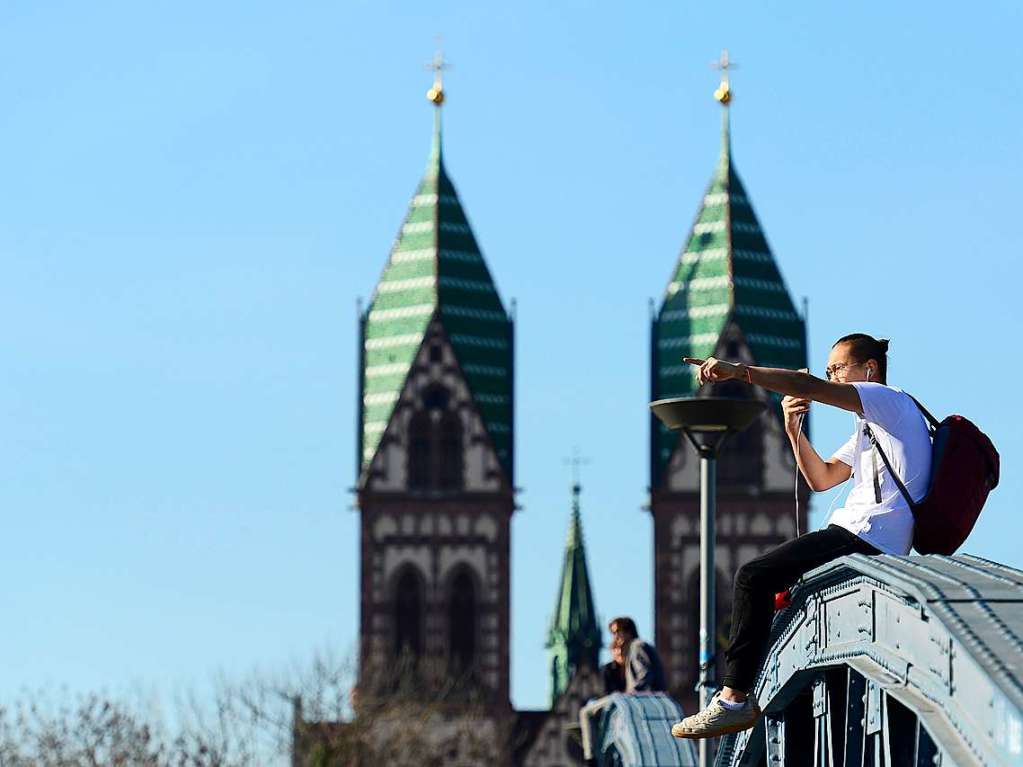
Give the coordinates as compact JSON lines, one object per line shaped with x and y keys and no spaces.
{"x":707,"y":422}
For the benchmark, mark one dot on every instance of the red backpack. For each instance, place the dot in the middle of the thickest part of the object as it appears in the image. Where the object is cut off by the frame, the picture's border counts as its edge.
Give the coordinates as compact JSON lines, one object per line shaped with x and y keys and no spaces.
{"x":964,"y":469}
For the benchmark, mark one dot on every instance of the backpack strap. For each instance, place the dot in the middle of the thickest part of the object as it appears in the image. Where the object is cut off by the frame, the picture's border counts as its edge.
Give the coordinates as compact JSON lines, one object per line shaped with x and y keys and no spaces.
{"x":877,"y":449}
{"x":873,"y":461}
{"x":887,"y":465}
{"x":927,"y":414}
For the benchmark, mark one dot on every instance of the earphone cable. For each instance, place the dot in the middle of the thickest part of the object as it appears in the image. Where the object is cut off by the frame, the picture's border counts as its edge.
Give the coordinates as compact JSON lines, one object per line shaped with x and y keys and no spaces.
{"x":802,"y":417}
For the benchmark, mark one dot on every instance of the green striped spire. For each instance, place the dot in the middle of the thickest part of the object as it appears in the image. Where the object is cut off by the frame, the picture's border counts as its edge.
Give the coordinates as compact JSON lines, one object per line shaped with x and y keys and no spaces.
{"x":574,"y":638}
{"x":436,"y":270}
{"x":726,"y":273}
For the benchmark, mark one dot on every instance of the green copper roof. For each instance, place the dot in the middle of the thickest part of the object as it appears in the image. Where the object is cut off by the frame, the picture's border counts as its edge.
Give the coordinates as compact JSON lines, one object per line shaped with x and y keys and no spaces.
{"x":436,"y":269}
{"x":726,"y":273}
{"x":574,"y":638}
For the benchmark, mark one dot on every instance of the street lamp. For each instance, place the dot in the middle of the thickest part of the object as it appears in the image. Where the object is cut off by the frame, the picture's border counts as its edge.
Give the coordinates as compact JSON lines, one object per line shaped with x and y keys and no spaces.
{"x":707,"y":422}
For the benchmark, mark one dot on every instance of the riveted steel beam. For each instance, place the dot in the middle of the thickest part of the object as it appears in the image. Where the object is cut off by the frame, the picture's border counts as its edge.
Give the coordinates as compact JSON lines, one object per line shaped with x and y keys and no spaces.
{"x":891,"y":661}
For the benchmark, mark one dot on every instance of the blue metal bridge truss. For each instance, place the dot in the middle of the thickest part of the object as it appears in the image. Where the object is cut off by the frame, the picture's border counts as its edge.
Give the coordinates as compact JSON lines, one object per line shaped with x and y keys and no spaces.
{"x":891,"y":662}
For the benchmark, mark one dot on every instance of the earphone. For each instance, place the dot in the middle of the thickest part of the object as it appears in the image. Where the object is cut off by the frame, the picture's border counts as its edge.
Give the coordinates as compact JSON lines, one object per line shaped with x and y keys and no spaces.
{"x":868,"y":372}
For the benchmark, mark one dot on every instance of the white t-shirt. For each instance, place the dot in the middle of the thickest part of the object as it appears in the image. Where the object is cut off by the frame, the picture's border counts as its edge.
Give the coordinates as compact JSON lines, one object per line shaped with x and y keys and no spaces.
{"x":901,"y":431}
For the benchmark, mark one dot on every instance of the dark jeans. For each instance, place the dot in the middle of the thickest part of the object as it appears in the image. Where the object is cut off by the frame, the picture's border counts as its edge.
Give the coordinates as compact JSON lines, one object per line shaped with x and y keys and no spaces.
{"x":756,"y":584}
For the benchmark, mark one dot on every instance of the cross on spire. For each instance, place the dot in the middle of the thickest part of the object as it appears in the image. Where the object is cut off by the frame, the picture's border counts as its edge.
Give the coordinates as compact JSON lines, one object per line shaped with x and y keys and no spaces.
{"x":723,"y":65}
{"x":576,"y":461}
{"x":438,"y":65}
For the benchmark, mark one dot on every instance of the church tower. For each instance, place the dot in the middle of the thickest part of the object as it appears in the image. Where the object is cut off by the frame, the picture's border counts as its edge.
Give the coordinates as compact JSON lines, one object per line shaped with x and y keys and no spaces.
{"x":435,"y":466}
{"x":726,"y":298}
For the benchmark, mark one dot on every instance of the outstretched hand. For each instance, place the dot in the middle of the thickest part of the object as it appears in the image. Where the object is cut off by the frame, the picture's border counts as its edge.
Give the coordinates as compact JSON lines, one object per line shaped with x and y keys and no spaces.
{"x":712,"y":369}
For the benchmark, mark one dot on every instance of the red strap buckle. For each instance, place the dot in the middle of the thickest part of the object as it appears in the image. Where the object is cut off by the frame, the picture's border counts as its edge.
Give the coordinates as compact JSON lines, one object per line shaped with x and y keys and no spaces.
{"x":782,"y":599}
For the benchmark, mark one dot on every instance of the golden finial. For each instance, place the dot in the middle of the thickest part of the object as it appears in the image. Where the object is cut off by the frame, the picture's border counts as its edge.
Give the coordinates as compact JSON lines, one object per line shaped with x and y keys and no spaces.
{"x":438,"y":65}
{"x":724,"y":92}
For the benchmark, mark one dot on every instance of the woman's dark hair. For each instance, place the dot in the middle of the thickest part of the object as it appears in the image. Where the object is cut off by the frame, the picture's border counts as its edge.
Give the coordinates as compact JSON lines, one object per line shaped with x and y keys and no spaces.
{"x":625,"y":625}
{"x":864,"y":347}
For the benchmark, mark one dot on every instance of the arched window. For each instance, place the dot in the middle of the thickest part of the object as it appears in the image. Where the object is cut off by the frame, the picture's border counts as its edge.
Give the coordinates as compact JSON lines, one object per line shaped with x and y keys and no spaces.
{"x":408,"y":616}
{"x":419,"y":451}
{"x":462,"y":624}
{"x":742,"y":457}
{"x":436,"y":444}
{"x":436,"y":398}
{"x":451,"y":452}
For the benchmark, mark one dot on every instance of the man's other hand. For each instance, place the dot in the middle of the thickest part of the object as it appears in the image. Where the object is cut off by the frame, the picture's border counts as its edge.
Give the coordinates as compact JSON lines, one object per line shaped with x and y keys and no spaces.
{"x":793,"y":408}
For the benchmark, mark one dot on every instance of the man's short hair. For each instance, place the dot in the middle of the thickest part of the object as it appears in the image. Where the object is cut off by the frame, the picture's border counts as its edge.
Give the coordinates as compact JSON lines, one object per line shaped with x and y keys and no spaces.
{"x":625,"y":626}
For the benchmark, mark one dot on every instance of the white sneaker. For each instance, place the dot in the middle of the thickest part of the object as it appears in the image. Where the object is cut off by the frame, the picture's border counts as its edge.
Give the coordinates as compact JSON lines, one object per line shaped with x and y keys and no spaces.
{"x":716,"y":720}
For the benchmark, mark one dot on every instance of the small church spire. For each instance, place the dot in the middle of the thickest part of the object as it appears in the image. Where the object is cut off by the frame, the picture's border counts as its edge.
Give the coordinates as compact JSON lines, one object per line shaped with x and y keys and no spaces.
{"x":574,"y":638}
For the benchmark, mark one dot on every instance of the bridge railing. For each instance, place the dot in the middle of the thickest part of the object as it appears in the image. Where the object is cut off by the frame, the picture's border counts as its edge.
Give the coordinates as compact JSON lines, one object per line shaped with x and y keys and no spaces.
{"x":635,"y":731}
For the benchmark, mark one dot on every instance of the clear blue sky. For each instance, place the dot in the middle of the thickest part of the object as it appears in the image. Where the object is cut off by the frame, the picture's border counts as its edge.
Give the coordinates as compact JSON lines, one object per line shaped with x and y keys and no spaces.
{"x":194,"y":195}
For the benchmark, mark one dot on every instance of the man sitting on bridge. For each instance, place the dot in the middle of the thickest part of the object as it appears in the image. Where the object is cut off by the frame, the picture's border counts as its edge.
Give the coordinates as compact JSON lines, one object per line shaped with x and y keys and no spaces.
{"x":875,"y":518}
{"x":641,"y":671}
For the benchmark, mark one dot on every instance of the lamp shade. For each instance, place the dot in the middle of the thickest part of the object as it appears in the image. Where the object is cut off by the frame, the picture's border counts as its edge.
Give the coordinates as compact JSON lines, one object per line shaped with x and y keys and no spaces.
{"x":707,"y":414}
